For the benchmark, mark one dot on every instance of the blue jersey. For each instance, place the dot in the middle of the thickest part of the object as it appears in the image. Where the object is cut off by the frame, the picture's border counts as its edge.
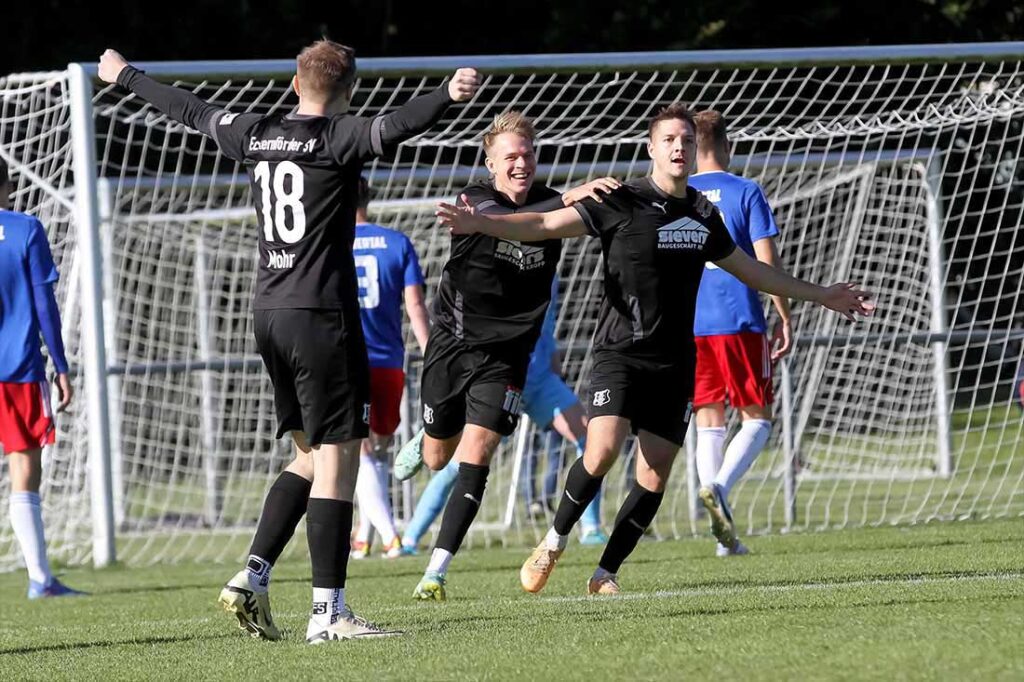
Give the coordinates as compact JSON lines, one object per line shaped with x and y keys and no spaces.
{"x":726,"y":305}
{"x":386,"y":263}
{"x":25,"y":262}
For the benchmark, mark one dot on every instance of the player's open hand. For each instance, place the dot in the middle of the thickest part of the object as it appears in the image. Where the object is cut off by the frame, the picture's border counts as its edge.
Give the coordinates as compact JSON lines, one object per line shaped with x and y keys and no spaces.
{"x":464,"y":85}
{"x":782,"y":340}
{"x":111,"y":64}
{"x":66,"y":393}
{"x":459,"y":219}
{"x":593,"y":189}
{"x":847,"y":300}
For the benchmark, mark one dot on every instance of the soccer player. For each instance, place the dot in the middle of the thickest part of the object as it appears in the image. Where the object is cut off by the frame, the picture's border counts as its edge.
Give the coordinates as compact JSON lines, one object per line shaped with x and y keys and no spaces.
{"x":304,"y":168}
{"x":550,"y":403}
{"x":734,"y":360}
{"x":488,"y":313}
{"x":656,"y":235}
{"x":28,"y":308}
{"x":388,"y":271}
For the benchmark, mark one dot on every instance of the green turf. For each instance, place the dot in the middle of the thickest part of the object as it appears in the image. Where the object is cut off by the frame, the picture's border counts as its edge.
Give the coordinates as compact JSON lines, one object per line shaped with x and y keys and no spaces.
{"x":940,"y":601}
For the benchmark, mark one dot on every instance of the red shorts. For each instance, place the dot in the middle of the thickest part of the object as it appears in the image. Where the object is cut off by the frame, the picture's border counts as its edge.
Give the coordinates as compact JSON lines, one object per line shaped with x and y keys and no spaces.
{"x":25,"y":419}
{"x":737,"y":366}
{"x":386,"y":387}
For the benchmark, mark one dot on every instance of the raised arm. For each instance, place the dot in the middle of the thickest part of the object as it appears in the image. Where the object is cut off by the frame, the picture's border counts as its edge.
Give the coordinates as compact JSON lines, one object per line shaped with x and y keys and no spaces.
{"x":523,"y":227}
{"x":176,"y":103}
{"x":844,"y":298}
{"x":420,"y":113}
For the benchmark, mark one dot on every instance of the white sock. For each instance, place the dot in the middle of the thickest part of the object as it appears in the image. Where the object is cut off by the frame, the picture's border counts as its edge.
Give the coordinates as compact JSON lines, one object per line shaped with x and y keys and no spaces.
{"x":710,"y":444}
{"x":439,"y":560}
{"x":365,"y":528}
{"x":742,"y":451}
{"x":555,"y":541}
{"x":373,"y":501}
{"x":257,"y":569}
{"x":328,"y":605}
{"x":27,"y":521}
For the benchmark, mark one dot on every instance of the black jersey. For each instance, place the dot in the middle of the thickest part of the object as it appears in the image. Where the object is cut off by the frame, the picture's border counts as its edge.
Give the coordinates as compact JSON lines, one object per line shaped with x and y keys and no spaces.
{"x":304,"y":172}
{"x":496,"y":291}
{"x":655,"y":247}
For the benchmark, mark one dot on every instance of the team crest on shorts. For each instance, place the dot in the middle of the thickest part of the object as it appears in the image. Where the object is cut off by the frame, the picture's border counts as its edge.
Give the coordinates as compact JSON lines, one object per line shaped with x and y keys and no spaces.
{"x":602,"y":397}
{"x":366,"y":413}
{"x":428,"y":414}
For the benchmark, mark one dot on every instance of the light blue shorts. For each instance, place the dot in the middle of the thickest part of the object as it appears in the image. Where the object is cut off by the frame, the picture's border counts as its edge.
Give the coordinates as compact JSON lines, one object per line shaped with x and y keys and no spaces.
{"x":545,"y":396}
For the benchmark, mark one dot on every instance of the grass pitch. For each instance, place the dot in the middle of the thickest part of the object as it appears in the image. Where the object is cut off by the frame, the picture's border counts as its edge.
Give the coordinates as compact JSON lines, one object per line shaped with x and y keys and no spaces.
{"x":940,"y":601}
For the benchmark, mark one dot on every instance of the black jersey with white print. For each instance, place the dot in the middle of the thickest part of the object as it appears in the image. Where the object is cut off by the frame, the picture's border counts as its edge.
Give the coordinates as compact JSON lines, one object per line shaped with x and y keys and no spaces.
{"x":496,"y":291}
{"x":304,"y":173}
{"x":655,"y":247}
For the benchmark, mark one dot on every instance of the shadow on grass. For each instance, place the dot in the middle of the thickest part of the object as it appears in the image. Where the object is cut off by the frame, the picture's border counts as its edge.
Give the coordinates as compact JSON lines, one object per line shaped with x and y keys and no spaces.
{"x":69,"y":646}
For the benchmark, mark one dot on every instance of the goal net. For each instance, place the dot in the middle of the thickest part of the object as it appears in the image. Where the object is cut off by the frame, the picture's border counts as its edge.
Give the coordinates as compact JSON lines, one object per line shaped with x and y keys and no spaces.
{"x":898,"y":172}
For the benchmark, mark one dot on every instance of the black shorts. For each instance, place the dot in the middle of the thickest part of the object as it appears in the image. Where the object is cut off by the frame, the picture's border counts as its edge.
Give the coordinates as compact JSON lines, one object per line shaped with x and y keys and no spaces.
{"x":658,"y":400}
{"x":462,"y":384}
{"x":319,"y":370}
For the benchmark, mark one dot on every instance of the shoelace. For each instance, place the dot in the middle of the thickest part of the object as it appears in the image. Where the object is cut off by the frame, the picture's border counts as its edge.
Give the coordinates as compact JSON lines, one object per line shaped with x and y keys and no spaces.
{"x":544,"y":560}
{"x":363,"y":623}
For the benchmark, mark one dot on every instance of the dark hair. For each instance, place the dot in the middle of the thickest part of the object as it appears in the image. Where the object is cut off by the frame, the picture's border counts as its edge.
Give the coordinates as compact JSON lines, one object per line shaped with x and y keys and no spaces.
{"x":326,"y":69}
{"x":4,"y":175}
{"x":675,"y":110}
{"x":712,"y":129}
{"x":363,"y":193}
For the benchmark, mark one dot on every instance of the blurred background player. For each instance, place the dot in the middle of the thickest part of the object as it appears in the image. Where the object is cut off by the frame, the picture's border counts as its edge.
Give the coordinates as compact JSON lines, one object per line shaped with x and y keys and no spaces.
{"x":389,"y":273}
{"x":734,"y":360}
{"x":488,"y":313}
{"x":27,"y":308}
{"x":304,"y":168}
{"x":549,"y":403}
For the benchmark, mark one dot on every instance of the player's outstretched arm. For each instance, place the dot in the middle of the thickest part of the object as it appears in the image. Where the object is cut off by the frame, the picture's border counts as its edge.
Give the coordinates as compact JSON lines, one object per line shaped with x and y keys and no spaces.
{"x":523,"y":227}
{"x":420,"y":113}
{"x":176,"y":103}
{"x":844,"y":298}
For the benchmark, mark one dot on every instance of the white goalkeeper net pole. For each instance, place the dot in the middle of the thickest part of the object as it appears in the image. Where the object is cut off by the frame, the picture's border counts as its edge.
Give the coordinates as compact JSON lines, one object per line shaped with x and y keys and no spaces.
{"x":896,"y":167}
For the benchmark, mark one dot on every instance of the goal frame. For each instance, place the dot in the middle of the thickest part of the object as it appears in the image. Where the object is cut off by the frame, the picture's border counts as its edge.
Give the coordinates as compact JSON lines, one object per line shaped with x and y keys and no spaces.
{"x":100,"y":367}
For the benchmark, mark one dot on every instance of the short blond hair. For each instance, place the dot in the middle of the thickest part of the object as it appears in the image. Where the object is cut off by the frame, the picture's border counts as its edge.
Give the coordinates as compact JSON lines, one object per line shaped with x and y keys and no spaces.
{"x":509,"y":122}
{"x":326,"y":69}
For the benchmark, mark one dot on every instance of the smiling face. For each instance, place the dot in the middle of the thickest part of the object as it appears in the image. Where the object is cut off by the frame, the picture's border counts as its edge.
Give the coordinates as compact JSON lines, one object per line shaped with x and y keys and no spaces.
{"x":512,"y":162}
{"x":673,"y":148}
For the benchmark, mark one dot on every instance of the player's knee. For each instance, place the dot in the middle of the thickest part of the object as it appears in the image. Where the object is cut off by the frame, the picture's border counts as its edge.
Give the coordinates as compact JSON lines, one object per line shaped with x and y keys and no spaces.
{"x":653,"y":479}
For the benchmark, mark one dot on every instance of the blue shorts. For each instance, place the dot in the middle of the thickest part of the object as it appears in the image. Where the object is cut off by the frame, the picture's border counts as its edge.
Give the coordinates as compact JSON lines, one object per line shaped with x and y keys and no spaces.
{"x":545,"y":396}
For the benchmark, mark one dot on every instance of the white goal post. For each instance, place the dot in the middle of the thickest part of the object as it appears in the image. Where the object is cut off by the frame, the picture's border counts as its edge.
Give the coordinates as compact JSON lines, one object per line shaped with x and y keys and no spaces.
{"x":894,"y":166}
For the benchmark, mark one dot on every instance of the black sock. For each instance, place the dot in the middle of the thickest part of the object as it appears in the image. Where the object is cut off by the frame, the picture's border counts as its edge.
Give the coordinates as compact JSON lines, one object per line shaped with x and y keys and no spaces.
{"x":282,"y":511}
{"x":580,"y":490}
{"x":636,"y":513}
{"x":462,"y":506}
{"x":328,"y":525}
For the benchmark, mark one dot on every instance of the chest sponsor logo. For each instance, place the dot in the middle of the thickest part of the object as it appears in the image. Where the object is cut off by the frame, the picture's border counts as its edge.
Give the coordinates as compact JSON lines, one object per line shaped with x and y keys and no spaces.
{"x":685,"y":234}
{"x":602,"y":397}
{"x":280,"y":260}
{"x":523,"y":256}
